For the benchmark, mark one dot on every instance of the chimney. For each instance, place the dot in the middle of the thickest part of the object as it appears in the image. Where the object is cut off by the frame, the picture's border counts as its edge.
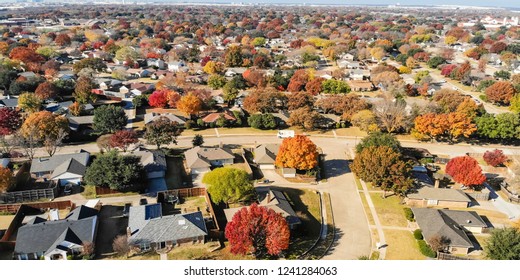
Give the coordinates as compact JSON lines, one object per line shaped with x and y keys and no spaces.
{"x":268,"y":196}
{"x":437,"y":183}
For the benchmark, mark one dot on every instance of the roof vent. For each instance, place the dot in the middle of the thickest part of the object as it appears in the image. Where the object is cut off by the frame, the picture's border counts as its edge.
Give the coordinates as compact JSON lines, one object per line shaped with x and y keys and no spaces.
{"x":468,"y":221}
{"x":182,"y":222}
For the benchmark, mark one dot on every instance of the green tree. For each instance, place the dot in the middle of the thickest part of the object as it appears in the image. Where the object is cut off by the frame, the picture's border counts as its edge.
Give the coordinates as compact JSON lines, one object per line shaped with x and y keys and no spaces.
{"x":111,"y":170}
{"x":197,"y":140}
{"x":502,"y":74}
{"x":383,"y":167}
{"x":233,"y":56}
{"x":228,"y":185}
{"x":162,"y":131}
{"x":7,"y":77}
{"x":216,"y":81}
{"x":435,"y":61}
{"x":109,"y":119}
{"x":335,"y":86}
{"x":127,"y":53}
{"x":377,"y":139}
{"x":505,"y":126}
{"x":503,"y":244}
{"x":230,"y":92}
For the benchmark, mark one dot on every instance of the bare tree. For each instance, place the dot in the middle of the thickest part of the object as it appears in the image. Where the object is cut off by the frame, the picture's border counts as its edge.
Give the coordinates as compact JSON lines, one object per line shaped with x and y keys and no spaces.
{"x":391,"y":114}
{"x":7,"y":144}
{"x":29,"y":142}
{"x":88,"y":250}
{"x":53,"y":142}
{"x":121,"y":246}
{"x":103,"y":143}
{"x":439,"y":243}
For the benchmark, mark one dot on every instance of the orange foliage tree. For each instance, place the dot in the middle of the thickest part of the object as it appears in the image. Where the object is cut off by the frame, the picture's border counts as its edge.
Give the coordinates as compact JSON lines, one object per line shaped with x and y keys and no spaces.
{"x":189,"y":104}
{"x":258,"y":230}
{"x":46,"y":90}
{"x":500,"y":92}
{"x":439,"y":126}
{"x":298,"y":152}
{"x":6,"y":179}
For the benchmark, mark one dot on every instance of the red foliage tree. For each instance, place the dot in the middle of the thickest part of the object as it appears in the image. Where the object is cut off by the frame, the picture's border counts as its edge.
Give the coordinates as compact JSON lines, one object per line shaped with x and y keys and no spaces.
{"x":298,"y":81}
{"x":10,"y":121}
{"x":258,"y":230}
{"x":25,"y":55}
{"x":498,"y":47}
{"x":465,"y":170}
{"x":447,"y":69}
{"x":123,"y":138}
{"x":495,"y":157}
{"x":46,"y":90}
{"x":158,"y":99}
{"x":314,"y":87}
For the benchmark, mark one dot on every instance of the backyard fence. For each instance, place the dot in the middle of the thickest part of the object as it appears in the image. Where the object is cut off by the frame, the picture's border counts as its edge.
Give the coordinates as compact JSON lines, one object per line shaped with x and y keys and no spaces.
{"x":13,"y":208}
{"x":104,"y":191}
{"x":30,"y":195}
{"x":444,"y":256}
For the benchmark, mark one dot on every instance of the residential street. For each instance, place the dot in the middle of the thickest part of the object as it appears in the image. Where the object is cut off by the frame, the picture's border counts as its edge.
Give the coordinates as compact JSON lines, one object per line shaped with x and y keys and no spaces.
{"x":353,"y":234}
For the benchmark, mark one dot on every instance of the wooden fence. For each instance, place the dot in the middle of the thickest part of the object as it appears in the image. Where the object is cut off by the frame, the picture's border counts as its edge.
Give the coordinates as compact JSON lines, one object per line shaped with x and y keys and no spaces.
{"x":13,"y":208}
{"x":182,"y":193}
{"x":104,"y":191}
{"x":512,"y":197}
{"x":444,"y":256}
{"x":30,"y":195}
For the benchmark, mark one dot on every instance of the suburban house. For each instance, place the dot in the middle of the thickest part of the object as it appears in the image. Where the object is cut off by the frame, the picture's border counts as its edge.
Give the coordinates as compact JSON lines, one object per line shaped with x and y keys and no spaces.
{"x":427,"y":196}
{"x":360,"y":85}
{"x":9,"y":102}
{"x":265,"y":155}
{"x":67,"y":168}
{"x":451,"y":224}
{"x":213,"y":117}
{"x":153,"y":116}
{"x":420,"y":174}
{"x":201,"y":159}
{"x":148,"y":229}
{"x":271,"y":199}
{"x":154,"y":163}
{"x":58,"y":239}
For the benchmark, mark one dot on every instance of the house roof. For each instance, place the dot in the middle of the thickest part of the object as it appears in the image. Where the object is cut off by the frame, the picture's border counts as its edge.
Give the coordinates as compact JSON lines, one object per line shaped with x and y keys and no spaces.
{"x":152,"y":160}
{"x":213,"y":117}
{"x":271,"y":199}
{"x":9,"y":102}
{"x":266,"y":153}
{"x":153,"y":116}
{"x":147,"y":225}
{"x":81,"y":212}
{"x":79,"y":120}
{"x":360,"y":84}
{"x":200,"y":157}
{"x":69,"y":166}
{"x":49,"y":164}
{"x":48,"y":235}
{"x":447,"y":223}
{"x":440,"y":194}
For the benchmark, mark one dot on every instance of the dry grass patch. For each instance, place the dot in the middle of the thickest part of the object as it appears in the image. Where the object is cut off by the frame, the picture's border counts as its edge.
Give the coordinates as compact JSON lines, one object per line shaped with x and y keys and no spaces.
{"x":5,"y":221}
{"x":370,"y":218}
{"x":351,"y":131}
{"x":401,"y":246}
{"x":389,"y":210}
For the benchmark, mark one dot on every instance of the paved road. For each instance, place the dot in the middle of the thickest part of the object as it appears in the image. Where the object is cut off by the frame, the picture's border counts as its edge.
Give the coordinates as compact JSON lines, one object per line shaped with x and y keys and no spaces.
{"x":511,"y":210}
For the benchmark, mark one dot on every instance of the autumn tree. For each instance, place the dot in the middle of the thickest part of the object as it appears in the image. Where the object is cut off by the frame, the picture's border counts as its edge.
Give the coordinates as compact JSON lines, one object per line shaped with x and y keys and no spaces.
{"x":46,"y":90}
{"x":448,"y":99}
{"x":109,"y":119}
{"x":306,"y":118}
{"x":83,"y":90}
{"x":365,"y":120}
{"x":62,"y":40}
{"x":29,"y":102}
{"x":213,"y":67}
{"x":10,"y":121}
{"x":297,"y":152}
{"x":45,"y":128}
{"x":75,"y":109}
{"x":466,"y":171}
{"x":162,"y":131}
{"x":233,"y":56}
{"x":450,"y":126}
{"x":259,"y":231}
{"x":383,"y":167}
{"x":495,"y":157}
{"x":6,"y":179}
{"x":228,"y":185}
{"x":500,"y":92}
{"x":189,"y":105}
{"x":123,"y":139}
{"x":391,"y":115}
{"x":158,"y":99}
{"x":314,"y":86}
{"x":299,"y":100}
{"x":346,"y":105}
{"x":94,"y":63}
{"x":266,"y":100}
{"x":26,"y":55}
{"x":298,"y":81}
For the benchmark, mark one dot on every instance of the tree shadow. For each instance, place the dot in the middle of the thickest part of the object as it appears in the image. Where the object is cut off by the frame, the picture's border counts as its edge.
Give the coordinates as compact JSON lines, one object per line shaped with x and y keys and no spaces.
{"x":111,"y":224}
{"x":337,"y":236}
{"x":336,"y":167}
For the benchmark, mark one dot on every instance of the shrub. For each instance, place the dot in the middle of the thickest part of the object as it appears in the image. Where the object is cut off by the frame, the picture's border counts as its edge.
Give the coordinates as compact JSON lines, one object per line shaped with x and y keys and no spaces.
{"x":483,"y":97}
{"x":426,"y":250}
{"x":409,"y":214}
{"x":190,"y":124}
{"x":418,"y":234}
{"x":495,"y":157}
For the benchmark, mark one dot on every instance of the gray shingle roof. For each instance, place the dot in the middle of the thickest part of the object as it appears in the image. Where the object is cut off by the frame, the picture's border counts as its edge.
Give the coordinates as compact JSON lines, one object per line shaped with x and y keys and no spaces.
{"x":10,"y":103}
{"x":152,"y":160}
{"x":41,"y":237}
{"x":447,"y":223}
{"x":70,"y":165}
{"x":440,"y":194}
{"x":81,"y":212}
{"x":147,"y":225}
{"x":199,"y":157}
{"x":48,"y":164}
{"x":266,"y":153}
{"x":151,"y":117}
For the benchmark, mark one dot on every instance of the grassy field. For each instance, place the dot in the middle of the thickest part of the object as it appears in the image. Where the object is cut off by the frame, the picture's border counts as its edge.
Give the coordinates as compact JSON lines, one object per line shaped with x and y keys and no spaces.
{"x":401,"y":246}
{"x":389,"y":211}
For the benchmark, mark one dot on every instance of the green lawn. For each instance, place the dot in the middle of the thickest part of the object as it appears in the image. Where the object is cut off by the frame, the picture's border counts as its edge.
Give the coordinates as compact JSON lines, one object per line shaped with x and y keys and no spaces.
{"x":389,"y":210}
{"x":401,"y":246}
